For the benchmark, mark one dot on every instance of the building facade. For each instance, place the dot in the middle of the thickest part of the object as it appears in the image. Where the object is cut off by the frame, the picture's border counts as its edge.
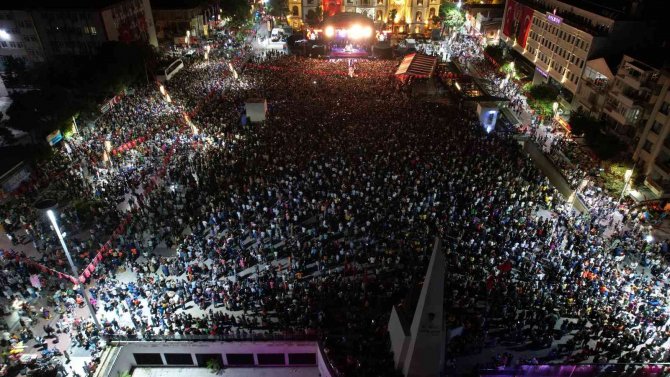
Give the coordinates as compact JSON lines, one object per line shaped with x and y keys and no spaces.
{"x":653,"y":148}
{"x":631,"y":97}
{"x":47,"y":29}
{"x":175,"y":17}
{"x":594,"y":85}
{"x":409,"y":16}
{"x":484,"y":20}
{"x":559,"y":38}
{"x":19,"y":37}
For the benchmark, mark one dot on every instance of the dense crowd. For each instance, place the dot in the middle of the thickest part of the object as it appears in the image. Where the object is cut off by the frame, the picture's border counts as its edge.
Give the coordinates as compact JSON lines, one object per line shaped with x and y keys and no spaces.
{"x":316,"y":221}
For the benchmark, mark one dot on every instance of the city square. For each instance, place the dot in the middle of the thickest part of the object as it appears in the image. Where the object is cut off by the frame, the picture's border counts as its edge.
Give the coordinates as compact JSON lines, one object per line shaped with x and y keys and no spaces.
{"x":265,"y":204}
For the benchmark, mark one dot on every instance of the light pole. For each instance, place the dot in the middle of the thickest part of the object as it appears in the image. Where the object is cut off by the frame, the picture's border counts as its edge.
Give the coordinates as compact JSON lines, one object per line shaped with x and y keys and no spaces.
{"x":52,"y":216}
{"x":626,"y":180}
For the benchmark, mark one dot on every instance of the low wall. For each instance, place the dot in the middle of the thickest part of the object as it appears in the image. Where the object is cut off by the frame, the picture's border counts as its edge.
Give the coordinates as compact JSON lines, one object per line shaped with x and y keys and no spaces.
{"x":553,"y":173}
{"x":127,"y":355}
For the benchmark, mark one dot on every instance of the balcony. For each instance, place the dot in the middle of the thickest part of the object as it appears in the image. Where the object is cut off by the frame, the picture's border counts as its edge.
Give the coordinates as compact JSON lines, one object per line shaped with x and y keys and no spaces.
{"x":633,"y":82}
{"x":618,"y":95}
{"x":663,"y":167}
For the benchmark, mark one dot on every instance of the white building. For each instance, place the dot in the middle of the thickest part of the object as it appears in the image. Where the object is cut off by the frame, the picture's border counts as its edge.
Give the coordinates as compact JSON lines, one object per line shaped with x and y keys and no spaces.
{"x":559,"y":38}
{"x":648,"y":89}
{"x":18,"y":37}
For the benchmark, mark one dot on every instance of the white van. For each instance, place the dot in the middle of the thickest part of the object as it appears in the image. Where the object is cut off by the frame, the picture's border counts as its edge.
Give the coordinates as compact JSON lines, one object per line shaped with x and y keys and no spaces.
{"x":276,"y":34}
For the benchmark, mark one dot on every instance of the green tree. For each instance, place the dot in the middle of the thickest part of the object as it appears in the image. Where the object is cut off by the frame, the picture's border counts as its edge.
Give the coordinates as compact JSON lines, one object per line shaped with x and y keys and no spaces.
{"x":496,"y":52}
{"x":541,"y":99}
{"x":603,"y":144}
{"x":452,"y":15}
{"x":544,"y":92}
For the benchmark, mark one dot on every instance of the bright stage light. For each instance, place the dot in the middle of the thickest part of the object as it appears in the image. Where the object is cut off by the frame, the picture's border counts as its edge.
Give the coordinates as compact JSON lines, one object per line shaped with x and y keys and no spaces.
{"x":330,"y":31}
{"x":367,"y":32}
{"x":356,"y":32}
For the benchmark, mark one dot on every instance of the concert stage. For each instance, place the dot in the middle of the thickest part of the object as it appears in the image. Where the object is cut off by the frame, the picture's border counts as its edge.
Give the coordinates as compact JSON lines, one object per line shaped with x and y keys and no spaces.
{"x":341,"y":52}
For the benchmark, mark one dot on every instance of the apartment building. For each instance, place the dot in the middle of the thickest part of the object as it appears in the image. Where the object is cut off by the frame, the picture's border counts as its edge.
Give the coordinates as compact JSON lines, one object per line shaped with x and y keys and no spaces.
{"x":41,"y":29}
{"x":647,"y":90}
{"x":411,"y":16}
{"x":560,"y":37}
{"x":19,"y":38}
{"x":175,"y":17}
{"x":595,"y":83}
{"x":484,"y":20}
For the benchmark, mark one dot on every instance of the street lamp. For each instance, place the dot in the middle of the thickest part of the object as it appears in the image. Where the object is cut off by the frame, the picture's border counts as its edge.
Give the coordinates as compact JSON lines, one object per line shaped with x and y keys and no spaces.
{"x":626,"y":180}
{"x":52,"y":216}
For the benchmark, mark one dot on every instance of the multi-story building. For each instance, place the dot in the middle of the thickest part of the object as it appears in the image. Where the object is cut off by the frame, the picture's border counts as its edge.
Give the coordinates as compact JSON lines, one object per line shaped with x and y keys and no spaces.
{"x":41,"y":29}
{"x":560,"y":37}
{"x":595,"y":83}
{"x":18,"y":37}
{"x":631,"y":97}
{"x":409,"y":16}
{"x":175,"y":17}
{"x":484,"y":20}
{"x":648,"y":89}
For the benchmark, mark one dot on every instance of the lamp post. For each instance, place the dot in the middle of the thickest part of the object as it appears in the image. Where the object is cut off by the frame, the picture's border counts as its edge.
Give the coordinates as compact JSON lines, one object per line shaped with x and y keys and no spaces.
{"x":52,"y":216}
{"x":626,"y":180}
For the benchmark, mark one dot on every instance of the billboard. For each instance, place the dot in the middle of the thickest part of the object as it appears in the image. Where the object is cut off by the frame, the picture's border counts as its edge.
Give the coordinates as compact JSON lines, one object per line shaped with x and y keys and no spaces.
{"x":54,"y":137}
{"x":517,"y":23}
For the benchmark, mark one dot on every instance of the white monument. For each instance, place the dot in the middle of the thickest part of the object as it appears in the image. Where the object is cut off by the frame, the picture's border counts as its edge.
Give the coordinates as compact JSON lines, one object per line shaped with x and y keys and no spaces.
{"x":418,"y":349}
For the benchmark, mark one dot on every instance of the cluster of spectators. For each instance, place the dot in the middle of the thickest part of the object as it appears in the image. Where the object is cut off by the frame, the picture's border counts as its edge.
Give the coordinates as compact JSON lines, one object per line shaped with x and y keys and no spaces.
{"x":317,"y":220}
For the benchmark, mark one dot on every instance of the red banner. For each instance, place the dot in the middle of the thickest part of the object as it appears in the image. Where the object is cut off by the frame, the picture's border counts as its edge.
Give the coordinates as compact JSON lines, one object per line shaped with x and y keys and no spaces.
{"x":517,"y":22}
{"x":525,"y":24}
{"x":508,"y":22}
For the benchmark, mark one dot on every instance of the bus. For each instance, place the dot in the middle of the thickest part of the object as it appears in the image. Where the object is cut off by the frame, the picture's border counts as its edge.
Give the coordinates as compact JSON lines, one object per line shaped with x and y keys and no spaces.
{"x":165,"y":74}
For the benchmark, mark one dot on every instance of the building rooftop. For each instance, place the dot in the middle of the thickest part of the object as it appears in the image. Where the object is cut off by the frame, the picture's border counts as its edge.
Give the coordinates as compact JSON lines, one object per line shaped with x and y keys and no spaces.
{"x":60,"y":4}
{"x":614,"y":9}
{"x":657,"y":57}
{"x":230,"y":372}
{"x":176,"y":4}
{"x":570,"y":18}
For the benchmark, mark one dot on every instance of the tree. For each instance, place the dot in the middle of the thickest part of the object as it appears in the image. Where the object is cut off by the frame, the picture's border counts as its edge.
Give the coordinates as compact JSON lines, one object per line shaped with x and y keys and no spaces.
{"x":495,"y":52}
{"x":41,"y":112}
{"x":314,"y":16}
{"x":603,"y":144}
{"x":15,"y":71}
{"x":238,"y":10}
{"x":6,"y":136}
{"x":544,"y":92}
{"x":541,"y":98}
{"x":452,"y":16}
{"x":278,"y":8}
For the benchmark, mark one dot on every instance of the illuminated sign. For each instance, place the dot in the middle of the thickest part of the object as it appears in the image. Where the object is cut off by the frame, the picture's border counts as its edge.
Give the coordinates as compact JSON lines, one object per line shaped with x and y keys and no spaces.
{"x":541,"y":71}
{"x":554,"y":19}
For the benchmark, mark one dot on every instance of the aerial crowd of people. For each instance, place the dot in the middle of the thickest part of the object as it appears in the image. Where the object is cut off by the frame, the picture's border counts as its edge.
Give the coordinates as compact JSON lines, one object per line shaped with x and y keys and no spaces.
{"x":314,"y":222}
